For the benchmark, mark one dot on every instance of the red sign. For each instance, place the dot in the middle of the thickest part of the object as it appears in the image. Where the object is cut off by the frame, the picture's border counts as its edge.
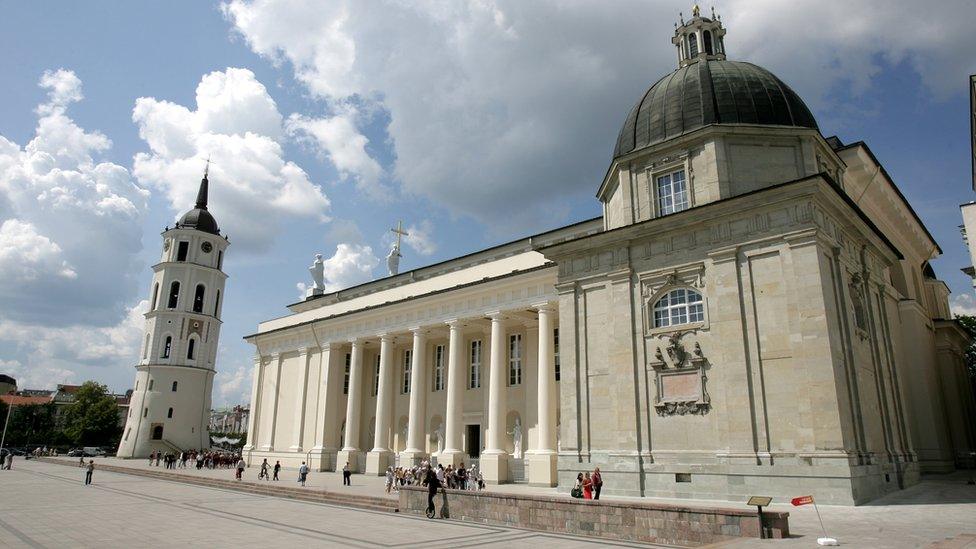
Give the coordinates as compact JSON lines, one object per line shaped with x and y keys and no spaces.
{"x":802,"y":500}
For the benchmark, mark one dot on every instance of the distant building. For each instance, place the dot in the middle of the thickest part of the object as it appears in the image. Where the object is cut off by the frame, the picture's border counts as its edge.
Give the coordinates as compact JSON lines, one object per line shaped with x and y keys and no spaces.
{"x":63,"y":397}
{"x":229,"y":420}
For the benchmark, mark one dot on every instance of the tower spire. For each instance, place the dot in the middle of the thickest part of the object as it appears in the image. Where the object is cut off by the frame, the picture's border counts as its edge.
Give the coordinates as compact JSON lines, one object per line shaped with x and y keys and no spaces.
{"x":204,"y":188}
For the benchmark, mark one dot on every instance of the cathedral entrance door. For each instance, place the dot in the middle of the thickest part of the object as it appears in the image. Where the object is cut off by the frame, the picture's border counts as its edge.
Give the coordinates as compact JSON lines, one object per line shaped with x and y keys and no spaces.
{"x":473,"y":440}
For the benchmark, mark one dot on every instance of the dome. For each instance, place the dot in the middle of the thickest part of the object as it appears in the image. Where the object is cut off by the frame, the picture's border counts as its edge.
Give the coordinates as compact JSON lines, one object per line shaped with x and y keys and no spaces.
{"x":710,"y":91}
{"x":199,"y":219}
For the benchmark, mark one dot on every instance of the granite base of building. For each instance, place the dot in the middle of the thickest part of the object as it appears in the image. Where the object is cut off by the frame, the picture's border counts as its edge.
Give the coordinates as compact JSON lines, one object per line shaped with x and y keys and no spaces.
{"x":838,"y":480}
{"x":609,"y":520}
{"x":317,"y":460}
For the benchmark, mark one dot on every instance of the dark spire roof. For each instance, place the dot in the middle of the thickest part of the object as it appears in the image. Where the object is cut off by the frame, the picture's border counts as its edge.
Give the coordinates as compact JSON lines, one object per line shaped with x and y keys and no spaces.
{"x":706,"y":92}
{"x":199,"y":218}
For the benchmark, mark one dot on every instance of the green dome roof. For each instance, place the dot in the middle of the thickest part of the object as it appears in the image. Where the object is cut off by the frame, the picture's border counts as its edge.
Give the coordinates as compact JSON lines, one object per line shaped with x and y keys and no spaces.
{"x":712,"y":91}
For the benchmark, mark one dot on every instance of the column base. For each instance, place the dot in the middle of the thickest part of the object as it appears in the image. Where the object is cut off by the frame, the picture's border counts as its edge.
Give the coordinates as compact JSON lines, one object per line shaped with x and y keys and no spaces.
{"x":348,"y":456}
{"x":452,"y":457}
{"x":295,"y":449}
{"x":322,"y":459}
{"x":265,"y":448}
{"x":409,"y":458}
{"x":378,"y":461}
{"x":494,"y":468}
{"x":543,"y":470}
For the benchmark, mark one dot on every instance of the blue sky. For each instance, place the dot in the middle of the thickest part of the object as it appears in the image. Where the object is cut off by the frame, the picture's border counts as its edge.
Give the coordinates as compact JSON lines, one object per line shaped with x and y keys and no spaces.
{"x":474,"y":123}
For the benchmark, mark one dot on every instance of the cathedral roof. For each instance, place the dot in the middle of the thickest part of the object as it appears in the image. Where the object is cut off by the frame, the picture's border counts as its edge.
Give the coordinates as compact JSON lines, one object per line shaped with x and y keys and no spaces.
{"x":706,"y":92}
{"x":199,"y":218}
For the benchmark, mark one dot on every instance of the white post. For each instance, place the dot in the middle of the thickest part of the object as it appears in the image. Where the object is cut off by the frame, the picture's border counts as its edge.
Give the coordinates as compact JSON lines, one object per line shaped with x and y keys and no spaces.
{"x":416,"y":448}
{"x":354,"y":404}
{"x":299,"y":428}
{"x":381,"y":456}
{"x":252,"y":423}
{"x":494,"y":460}
{"x":542,"y":462}
{"x":452,"y":454}
{"x":275,"y":366}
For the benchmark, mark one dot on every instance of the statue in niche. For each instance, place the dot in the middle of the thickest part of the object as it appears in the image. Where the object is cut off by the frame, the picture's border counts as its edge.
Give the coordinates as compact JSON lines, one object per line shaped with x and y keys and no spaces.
{"x":439,"y":437}
{"x":317,"y":271}
{"x":516,"y":433}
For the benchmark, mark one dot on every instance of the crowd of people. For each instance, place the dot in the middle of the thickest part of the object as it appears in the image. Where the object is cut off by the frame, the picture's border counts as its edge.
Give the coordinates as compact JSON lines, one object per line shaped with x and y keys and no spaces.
{"x":189,"y":458}
{"x":455,"y":478}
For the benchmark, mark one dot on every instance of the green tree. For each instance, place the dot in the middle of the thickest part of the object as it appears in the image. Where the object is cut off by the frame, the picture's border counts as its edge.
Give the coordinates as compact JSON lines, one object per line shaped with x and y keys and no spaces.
{"x":31,"y":424}
{"x":93,"y":418}
{"x":968,"y":323}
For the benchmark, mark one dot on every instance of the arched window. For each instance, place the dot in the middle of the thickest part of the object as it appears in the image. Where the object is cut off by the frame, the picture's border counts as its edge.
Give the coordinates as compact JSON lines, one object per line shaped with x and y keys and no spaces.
{"x":174,"y":294}
{"x":169,"y":414}
{"x":189,"y":349}
{"x":217,"y":305}
{"x":707,"y":39}
{"x":174,"y":386}
{"x":157,"y":432}
{"x":679,"y":306}
{"x":155,"y":296}
{"x":167,"y":346}
{"x":692,"y":45}
{"x":145,"y":350}
{"x":220,"y":259}
{"x":198,"y":299}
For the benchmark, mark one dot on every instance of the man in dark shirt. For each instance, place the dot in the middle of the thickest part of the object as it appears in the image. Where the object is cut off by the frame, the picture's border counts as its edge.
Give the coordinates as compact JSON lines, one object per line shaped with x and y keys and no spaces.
{"x":430,"y":480}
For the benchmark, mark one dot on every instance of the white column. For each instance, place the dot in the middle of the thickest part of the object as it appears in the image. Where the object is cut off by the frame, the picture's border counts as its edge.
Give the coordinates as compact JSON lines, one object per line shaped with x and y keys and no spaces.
{"x":327,"y":408}
{"x":252,"y":423}
{"x":381,"y":456}
{"x":452,"y":454}
{"x":300,"y":399}
{"x":542,"y":461}
{"x":274,"y":380}
{"x":416,"y":449}
{"x":354,"y":405}
{"x":494,"y":460}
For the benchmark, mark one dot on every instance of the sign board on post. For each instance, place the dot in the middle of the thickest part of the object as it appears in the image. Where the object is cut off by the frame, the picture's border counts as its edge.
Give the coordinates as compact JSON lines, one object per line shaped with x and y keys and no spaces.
{"x":760,"y":502}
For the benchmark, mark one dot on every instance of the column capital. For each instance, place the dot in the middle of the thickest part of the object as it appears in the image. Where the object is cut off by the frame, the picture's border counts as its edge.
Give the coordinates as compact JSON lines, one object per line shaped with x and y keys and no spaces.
{"x":307,"y":349}
{"x":420,"y":330}
{"x":258,"y":360}
{"x":498,"y":316}
{"x":276,"y":355}
{"x":455,"y":323}
{"x":388,"y":337}
{"x":547,"y":307}
{"x":357,"y":341}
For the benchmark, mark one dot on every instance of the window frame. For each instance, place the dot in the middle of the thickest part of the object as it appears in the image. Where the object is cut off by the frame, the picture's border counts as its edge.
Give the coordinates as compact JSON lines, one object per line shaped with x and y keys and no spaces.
{"x":376,"y":375}
{"x":173,"y":299}
{"x":474,"y":367}
{"x":438,"y":377}
{"x":167,"y":350}
{"x":199,"y":298}
{"x":348,"y":372}
{"x":652,"y":309}
{"x":406,"y":369}
{"x":657,"y":196}
{"x":515,"y":342}
{"x":555,"y":353}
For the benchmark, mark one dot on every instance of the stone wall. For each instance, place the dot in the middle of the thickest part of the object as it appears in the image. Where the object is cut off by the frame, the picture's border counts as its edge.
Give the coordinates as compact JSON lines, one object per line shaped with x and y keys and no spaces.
{"x":619,"y":520}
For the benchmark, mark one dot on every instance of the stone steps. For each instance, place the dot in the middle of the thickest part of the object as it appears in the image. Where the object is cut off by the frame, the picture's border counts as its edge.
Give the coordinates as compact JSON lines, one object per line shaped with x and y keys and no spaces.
{"x":371,"y":503}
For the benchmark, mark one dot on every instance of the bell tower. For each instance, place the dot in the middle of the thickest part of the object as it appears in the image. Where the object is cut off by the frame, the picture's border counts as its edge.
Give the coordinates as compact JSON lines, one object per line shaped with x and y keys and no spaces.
{"x":699,"y":38}
{"x":170,"y":406}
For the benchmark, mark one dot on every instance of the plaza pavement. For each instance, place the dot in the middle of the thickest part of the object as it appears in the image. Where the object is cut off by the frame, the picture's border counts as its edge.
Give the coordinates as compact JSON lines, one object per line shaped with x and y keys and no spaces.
{"x":47,"y":505}
{"x":940,"y":507}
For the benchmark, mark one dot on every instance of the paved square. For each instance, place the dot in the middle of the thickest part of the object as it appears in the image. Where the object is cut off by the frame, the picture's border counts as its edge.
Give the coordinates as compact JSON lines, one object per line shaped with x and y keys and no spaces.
{"x":47,"y":505}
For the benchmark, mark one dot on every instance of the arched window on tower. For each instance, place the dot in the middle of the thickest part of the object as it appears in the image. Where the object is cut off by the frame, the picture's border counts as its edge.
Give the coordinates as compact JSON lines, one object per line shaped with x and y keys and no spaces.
{"x":217,"y":305}
{"x":167,"y":346}
{"x":198,"y":299}
{"x":189,"y":349}
{"x":707,"y":39}
{"x":174,"y":295}
{"x":155,"y":296}
{"x":175,"y":383}
{"x":679,"y":306}
{"x":692,"y":46}
{"x":169,"y":414}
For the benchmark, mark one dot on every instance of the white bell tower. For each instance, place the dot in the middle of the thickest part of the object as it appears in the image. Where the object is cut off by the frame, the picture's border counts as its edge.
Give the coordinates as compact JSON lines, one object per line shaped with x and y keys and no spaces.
{"x":170,"y":405}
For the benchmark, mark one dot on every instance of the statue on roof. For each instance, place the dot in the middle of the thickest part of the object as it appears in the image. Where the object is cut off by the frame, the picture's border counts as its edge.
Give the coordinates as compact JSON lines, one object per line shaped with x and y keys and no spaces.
{"x":393,"y":259}
{"x":318,"y":276}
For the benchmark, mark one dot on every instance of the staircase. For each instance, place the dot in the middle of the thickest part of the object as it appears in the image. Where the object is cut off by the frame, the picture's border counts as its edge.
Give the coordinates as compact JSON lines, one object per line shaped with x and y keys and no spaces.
{"x":172,"y":447}
{"x":372,"y":503}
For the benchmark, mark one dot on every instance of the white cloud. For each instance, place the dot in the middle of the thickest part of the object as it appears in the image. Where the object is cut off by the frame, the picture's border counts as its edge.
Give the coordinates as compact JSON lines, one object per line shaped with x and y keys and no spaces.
{"x":351,"y":264}
{"x":70,"y":226}
{"x":36,"y":376}
{"x":505,"y":107}
{"x":963,"y":304}
{"x":345,"y":147}
{"x":420,"y":239}
{"x":253,"y":189}
{"x":234,"y":386}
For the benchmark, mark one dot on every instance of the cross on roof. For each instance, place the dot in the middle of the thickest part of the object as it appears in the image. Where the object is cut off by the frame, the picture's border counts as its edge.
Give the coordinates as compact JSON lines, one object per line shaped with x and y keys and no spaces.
{"x":399,"y":232}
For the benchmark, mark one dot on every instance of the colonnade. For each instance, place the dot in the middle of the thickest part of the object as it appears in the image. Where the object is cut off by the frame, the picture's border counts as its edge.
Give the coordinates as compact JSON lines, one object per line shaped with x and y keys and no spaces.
{"x":494,"y":459}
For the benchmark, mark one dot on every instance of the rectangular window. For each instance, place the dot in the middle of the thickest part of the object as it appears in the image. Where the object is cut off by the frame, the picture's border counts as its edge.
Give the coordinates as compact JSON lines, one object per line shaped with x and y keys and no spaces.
{"x":672,"y":193}
{"x":182,"y":250}
{"x":151,"y":384}
{"x":439,"y":368}
{"x":515,"y":359}
{"x":555,"y":350}
{"x":345,"y":380}
{"x":376,"y":377}
{"x":474,"y":381}
{"x":407,"y":366}
{"x":127,"y":431}
{"x":145,"y":412}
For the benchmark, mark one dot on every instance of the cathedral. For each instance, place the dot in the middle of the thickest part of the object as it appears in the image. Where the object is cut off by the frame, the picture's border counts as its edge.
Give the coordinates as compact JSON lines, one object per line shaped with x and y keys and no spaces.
{"x":754,"y":312}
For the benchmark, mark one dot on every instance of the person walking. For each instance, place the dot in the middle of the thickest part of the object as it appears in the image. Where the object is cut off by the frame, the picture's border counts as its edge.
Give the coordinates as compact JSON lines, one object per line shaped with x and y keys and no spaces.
{"x":240,"y":468}
{"x":597,"y":483}
{"x":587,"y":486}
{"x":277,"y":468}
{"x":10,"y":461}
{"x":389,"y":479}
{"x":346,"y":475}
{"x":577,"y":491}
{"x":303,"y":473}
{"x":88,"y":472}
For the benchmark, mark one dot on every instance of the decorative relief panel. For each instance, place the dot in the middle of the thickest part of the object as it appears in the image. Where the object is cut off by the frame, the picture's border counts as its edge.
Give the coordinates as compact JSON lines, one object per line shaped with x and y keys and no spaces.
{"x":680,"y":376}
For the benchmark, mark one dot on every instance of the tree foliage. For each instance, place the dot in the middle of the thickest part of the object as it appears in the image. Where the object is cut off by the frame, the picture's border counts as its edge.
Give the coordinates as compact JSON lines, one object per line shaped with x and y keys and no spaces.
{"x":93,"y":418}
{"x":32,"y":424}
{"x":968,"y":323}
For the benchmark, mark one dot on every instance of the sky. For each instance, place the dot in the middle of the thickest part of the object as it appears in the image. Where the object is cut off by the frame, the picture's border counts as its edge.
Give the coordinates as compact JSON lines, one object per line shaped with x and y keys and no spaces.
{"x":474,"y":123}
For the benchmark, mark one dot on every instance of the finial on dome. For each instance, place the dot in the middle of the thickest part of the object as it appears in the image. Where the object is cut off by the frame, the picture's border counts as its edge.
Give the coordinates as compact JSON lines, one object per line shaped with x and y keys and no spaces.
{"x":695,"y":11}
{"x":204,"y":187}
{"x":681,"y":16}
